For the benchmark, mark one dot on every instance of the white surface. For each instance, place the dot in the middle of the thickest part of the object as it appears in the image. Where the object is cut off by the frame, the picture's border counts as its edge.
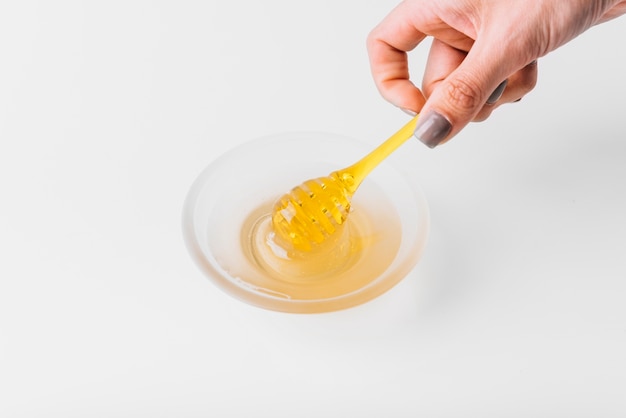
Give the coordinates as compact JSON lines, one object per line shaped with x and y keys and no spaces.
{"x":109,"y":110}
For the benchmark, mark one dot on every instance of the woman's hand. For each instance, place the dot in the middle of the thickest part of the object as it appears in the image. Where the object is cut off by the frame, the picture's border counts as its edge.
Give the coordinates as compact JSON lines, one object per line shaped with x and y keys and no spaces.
{"x":484,"y":54}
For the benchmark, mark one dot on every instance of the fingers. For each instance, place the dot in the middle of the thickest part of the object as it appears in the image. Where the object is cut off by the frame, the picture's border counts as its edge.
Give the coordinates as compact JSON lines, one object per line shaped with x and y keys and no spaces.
{"x":443,"y":59}
{"x":463,"y":87}
{"x":465,"y":78}
{"x":387,"y":47}
{"x":517,"y":86}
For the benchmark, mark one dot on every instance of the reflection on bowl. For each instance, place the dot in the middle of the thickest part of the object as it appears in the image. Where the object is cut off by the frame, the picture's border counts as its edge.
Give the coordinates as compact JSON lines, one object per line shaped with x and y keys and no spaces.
{"x":225,"y":225}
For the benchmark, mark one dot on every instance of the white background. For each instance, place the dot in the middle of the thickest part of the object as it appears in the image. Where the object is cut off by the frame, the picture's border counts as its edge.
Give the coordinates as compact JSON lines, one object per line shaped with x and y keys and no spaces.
{"x":108,"y":112}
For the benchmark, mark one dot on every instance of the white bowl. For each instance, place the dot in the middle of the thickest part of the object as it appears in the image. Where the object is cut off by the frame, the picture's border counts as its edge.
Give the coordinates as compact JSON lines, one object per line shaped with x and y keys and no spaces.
{"x":253,"y":175}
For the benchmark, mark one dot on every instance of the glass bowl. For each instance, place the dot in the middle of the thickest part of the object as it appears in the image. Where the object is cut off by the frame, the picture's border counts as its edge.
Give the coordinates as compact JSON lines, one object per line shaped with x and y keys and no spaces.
{"x":239,"y":188}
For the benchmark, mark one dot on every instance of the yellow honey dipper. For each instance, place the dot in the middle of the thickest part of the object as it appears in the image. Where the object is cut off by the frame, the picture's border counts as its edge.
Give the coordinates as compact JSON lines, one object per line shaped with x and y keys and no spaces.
{"x":313,"y":211}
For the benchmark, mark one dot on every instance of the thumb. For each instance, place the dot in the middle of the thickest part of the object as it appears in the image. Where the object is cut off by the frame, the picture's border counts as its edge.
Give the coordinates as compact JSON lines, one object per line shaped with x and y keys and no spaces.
{"x":458,"y":98}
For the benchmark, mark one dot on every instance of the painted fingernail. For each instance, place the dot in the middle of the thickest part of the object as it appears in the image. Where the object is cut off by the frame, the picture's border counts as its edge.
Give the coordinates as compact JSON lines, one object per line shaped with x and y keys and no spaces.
{"x":432,"y":128}
{"x":408,"y":111}
{"x":518,"y":100}
{"x":497,"y":93}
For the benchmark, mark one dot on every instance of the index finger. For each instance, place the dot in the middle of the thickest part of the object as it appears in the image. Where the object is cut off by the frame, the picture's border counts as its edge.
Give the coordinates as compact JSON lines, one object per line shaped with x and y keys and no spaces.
{"x":387,"y":46}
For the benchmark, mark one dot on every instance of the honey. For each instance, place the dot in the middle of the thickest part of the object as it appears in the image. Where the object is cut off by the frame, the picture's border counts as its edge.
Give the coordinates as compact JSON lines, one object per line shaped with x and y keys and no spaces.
{"x":373,"y":243}
{"x":357,"y":255}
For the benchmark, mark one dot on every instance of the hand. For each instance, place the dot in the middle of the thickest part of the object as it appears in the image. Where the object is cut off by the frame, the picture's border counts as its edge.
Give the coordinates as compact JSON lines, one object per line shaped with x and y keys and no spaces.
{"x":484,"y":54}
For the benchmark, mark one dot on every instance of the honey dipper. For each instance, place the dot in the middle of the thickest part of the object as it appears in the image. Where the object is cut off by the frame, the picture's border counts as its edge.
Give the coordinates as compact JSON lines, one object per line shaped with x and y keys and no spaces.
{"x":313,"y":211}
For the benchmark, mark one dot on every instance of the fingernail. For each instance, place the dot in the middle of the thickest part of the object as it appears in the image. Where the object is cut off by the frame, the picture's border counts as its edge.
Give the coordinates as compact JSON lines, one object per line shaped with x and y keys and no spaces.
{"x":432,"y":128}
{"x":408,"y":111}
{"x":497,"y":93}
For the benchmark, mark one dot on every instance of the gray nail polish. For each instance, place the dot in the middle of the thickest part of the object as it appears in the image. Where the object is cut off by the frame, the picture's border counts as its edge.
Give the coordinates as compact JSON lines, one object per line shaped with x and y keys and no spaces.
{"x":432,"y":128}
{"x":497,"y":93}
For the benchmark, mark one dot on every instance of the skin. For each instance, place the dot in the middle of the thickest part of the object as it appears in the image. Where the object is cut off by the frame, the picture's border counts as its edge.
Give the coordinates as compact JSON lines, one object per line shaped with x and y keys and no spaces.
{"x":476,"y":45}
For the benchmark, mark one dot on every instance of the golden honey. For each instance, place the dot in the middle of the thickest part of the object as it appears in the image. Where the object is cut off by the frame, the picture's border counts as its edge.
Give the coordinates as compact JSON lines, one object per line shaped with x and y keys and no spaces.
{"x":357,"y":254}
